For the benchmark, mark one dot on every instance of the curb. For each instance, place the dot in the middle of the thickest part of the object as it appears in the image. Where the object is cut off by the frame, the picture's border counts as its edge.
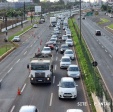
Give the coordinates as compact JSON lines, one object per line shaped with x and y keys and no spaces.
{"x":5,"y":54}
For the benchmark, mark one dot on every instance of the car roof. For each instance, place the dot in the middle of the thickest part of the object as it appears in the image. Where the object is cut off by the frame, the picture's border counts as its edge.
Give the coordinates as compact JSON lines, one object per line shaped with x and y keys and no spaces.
{"x":65,"y":57}
{"x":27,"y":108}
{"x":67,"y":79}
{"x":97,"y":30}
{"x":74,"y":110}
{"x":68,"y":39}
{"x":64,"y":45}
{"x":73,"y":65}
{"x":68,"y":50}
{"x":46,"y":47}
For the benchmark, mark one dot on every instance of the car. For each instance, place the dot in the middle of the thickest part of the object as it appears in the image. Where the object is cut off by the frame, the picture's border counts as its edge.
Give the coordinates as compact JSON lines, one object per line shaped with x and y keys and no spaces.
{"x":63,"y":48}
{"x":40,"y":22}
{"x":46,"y":50}
{"x":16,"y":39}
{"x":50,"y":44}
{"x":74,"y":110}
{"x":42,"y":19}
{"x":65,"y":62}
{"x":53,"y":40}
{"x":68,"y":33}
{"x":98,"y":33}
{"x":35,"y":26}
{"x":55,"y":37}
{"x":28,"y":108}
{"x":67,"y":88}
{"x":69,"y":53}
{"x":69,"y":42}
{"x":73,"y":71}
{"x":64,"y":37}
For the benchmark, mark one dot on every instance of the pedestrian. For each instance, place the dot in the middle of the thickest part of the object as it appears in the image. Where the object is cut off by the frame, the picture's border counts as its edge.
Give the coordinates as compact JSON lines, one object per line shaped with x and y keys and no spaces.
{"x":56,"y":48}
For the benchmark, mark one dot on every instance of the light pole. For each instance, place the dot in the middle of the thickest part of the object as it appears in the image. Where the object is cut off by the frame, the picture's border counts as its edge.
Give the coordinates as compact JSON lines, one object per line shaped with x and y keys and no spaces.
{"x":6,"y":38}
{"x":80,"y":19}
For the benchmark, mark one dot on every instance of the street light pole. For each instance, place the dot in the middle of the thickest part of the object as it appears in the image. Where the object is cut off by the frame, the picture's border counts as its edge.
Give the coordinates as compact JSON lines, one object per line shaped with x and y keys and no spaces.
{"x":80,"y":19}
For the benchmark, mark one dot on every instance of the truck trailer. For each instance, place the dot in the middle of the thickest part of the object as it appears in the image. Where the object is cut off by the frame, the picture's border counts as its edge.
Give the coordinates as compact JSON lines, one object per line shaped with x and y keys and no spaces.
{"x":53,"y":21}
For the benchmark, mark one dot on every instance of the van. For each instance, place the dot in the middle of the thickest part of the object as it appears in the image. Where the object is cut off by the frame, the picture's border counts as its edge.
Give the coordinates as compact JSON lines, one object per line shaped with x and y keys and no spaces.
{"x":74,"y":110}
{"x":28,"y":108}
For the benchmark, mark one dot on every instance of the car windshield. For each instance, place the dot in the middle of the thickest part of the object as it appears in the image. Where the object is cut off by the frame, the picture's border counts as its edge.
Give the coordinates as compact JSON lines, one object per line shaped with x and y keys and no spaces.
{"x":64,"y":46}
{"x":73,"y":69}
{"x":39,"y":67}
{"x":65,"y":36}
{"x":46,"y":49}
{"x":52,"y":39}
{"x":69,"y":41}
{"x":68,"y":52}
{"x":16,"y":37}
{"x":65,"y":60}
{"x":67,"y":85}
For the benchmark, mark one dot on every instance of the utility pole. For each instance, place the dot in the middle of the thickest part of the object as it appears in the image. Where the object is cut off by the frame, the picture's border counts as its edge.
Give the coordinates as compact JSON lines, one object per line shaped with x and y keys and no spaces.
{"x":6,"y":38}
{"x":80,"y":19}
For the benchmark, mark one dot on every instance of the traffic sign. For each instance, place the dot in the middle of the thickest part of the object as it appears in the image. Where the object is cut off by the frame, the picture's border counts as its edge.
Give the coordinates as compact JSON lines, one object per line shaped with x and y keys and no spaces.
{"x":37,"y":8}
{"x":94,"y":63}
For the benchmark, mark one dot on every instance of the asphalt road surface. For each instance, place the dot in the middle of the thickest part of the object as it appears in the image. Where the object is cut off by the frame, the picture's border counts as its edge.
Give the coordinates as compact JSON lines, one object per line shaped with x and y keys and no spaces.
{"x":101,"y":48}
{"x":14,"y":74}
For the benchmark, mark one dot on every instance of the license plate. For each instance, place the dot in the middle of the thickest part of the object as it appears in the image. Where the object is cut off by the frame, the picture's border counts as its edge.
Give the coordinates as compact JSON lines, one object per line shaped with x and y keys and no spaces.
{"x":39,"y":80}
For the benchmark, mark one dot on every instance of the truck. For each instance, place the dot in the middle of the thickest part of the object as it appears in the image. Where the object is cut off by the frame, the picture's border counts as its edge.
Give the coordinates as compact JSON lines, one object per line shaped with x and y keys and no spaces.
{"x":53,"y":21}
{"x":41,"y":68}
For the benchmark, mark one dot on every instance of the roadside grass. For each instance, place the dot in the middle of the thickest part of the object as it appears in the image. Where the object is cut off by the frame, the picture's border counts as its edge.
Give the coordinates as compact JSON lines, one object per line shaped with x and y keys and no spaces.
{"x":110,"y":26}
{"x":84,"y":61}
{"x":34,"y":18}
{"x":103,"y":20}
{"x":4,"y":49}
{"x":20,"y":32}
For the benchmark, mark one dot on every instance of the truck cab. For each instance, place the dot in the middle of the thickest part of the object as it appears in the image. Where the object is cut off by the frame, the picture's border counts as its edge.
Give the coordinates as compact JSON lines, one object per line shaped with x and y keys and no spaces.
{"x":41,"y":68}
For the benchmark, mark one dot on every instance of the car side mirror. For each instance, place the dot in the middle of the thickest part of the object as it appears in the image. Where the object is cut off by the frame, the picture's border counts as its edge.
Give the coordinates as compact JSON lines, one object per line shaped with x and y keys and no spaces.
{"x":27,"y":66}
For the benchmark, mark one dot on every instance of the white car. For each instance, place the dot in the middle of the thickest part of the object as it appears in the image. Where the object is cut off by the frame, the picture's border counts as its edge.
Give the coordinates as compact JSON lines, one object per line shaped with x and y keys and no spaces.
{"x":74,"y":110}
{"x":28,"y":108}
{"x":54,"y":36}
{"x":16,"y":39}
{"x":73,"y":71}
{"x":35,"y":26}
{"x":70,"y":53}
{"x":53,"y":40}
{"x":46,"y":50}
{"x":68,"y":33}
{"x":67,"y":88}
{"x":69,"y":42}
{"x":64,"y":37}
{"x":65,"y":62}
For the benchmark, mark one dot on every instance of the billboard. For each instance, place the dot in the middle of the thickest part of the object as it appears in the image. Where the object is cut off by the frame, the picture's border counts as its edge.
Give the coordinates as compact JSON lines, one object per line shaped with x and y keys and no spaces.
{"x":37,"y":8}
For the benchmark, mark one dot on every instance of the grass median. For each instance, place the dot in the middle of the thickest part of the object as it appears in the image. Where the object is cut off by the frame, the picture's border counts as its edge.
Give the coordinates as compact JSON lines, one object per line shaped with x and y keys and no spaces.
{"x":110,"y":26}
{"x":103,"y":20}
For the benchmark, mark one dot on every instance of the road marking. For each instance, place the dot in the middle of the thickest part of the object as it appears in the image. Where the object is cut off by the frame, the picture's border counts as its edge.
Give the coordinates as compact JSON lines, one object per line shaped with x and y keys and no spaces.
{"x":97,"y":40}
{"x":110,"y":55}
{"x":53,"y":79}
{"x":105,"y":50}
{"x":56,"y":58}
{"x":102,"y":46}
{"x":12,"y":108}
{"x":18,"y":60}
{"x":25,"y":52}
{"x":23,"y":88}
{"x":9,"y":70}
{"x":34,"y":41}
{"x":31,"y":45}
{"x":99,"y":43}
{"x":55,"y":67}
{"x":51,"y":99}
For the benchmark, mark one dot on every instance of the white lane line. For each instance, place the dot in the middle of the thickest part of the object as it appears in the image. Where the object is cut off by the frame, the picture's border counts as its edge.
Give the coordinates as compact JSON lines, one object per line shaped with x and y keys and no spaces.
{"x":56,"y":58}
{"x":23,"y":88}
{"x":99,"y":43}
{"x":105,"y":50}
{"x":51,"y":99}
{"x":53,"y":79}
{"x":34,"y":41}
{"x":110,"y":55}
{"x":18,"y":60}
{"x":9,"y":70}
{"x":31,"y":45}
{"x":29,"y":75}
{"x":25,"y":52}
{"x":97,"y":40}
{"x":12,"y":108}
{"x":55,"y":67}
{"x":102,"y":46}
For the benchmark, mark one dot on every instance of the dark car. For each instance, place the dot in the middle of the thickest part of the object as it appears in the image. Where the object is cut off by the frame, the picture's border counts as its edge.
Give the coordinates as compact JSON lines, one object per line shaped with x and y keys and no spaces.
{"x":63,"y":48}
{"x":98,"y":33}
{"x":50,"y":44}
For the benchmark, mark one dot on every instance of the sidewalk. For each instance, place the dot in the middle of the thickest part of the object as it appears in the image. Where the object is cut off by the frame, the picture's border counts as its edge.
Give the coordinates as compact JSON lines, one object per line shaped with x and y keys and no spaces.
{"x":11,"y":32}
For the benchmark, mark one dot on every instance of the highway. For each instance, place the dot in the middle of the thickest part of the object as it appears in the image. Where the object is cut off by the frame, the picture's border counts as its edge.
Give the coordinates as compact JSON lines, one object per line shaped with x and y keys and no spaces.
{"x":14,"y":74}
{"x":101,"y":48}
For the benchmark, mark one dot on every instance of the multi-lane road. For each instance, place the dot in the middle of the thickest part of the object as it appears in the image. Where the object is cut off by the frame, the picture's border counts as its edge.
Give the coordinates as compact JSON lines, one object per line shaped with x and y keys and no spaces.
{"x":14,"y":74}
{"x":101,"y":48}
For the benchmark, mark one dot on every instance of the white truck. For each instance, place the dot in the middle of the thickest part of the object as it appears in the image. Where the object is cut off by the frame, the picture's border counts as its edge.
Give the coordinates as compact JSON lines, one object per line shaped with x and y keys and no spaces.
{"x":53,"y":21}
{"x":41,"y":68}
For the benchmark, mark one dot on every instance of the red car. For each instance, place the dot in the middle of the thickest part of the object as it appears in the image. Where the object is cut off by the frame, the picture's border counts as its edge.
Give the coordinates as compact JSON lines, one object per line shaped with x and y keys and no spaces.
{"x":50,"y":44}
